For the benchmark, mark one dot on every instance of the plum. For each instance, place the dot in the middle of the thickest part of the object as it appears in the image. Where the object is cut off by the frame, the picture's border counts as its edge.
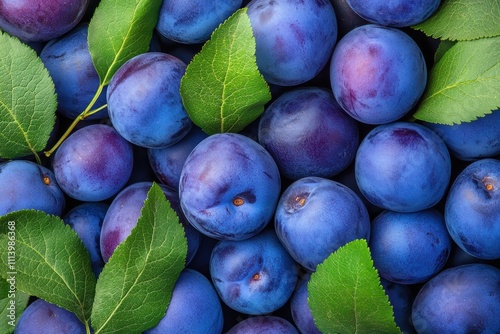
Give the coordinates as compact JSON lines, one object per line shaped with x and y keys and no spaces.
{"x":269,"y":324}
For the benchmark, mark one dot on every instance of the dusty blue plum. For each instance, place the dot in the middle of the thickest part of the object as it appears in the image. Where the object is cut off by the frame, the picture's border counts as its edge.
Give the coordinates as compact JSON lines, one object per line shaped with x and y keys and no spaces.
{"x":40,"y":20}
{"x":394,"y":13}
{"x":167,"y":162}
{"x":462,"y":299}
{"x":144,"y":101}
{"x":41,"y":317}
{"x":86,"y":220}
{"x":191,"y":22}
{"x":294,"y":39}
{"x":93,"y":163}
{"x":194,"y":307}
{"x":254,"y":276}
{"x":409,"y":247}
{"x":229,"y":187}
{"x":269,"y":324}
{"x":26,"y":185}
{"x":299,"y":307}
{"x":75,"y":79}
{"x":377,"y":73}
{"x":308,"y":134}
{"x":315,"y":216}
{"x":124,"y":212}
{"x":403,"y":167}
{"x":472,"y":209}
{"x":401,"y":299}
{"x":474,"y":140}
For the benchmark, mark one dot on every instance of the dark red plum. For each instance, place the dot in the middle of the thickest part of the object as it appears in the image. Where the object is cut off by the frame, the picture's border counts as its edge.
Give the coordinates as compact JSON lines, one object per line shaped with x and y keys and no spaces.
{"x":41,"y":317}
{"x":403,"y":167}
{"x":472,"y":209}
{"x":254,"y":276}
{"x":394,"y":13}
{"x":75,"y":79}
{"x":377,"y":73}
{"x":463,"y":299}
{"x":474,"y":140}
{"x":229,"y":187}
{"x":193,"y":21}
{"x":26,"y":185}
{"x":409,"y":247}
{"x":40,"y":20}
{"x":315,"y":216}
{"x":194,"y":307}
{"x":93,"y":163}
{"x":308,"y":134}
{"x":269,"y":324}
{"x":124,"y":212}
{"x":294,"y":39}
{"x":86,"y":220}
{"x":299,"y":307}
{"x":144,"y":101}
{"x":167,"y":162}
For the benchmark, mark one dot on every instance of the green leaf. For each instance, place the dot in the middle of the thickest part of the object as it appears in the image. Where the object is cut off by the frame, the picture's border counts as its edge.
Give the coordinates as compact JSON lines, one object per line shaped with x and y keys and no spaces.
{"x":222,"y":89}
{"x":135,"y":286}
{"x":28,"y":100}
{"x":48,"y":260}
{"x":345,"y":294}
{"x":463,"y":20}
{"x":464,"y":84}
{"x":120,"y":30}
{"x":442,"y":48}
{"x":12,"y":304}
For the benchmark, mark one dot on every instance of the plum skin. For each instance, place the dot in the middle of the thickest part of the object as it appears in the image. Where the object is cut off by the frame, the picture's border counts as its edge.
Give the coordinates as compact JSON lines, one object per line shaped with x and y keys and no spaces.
{"x":402,"y":167}
{"x":308,"y":133}
{"x":315,"y":216}
{"x":462,"y":299}
{"x":269,"y":324}
{"x":254,"y":276}
{"x":472,"y":209}
{"x":377,"y":74}
{"x":229,"y":187}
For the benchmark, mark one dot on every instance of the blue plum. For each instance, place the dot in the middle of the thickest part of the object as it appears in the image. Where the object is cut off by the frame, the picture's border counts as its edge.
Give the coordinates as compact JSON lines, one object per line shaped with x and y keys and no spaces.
{"x":86,"y":220}
{"x":472,"y":209}
{"x":299,"y":307}
{"x":294,"y":39}
{"x":347,"y":19}
{"x":409,"y":247}
{"x":403,"y":167}
{"x":394,"y":13}
{"x":75,"y":79}
{"x":41,"y":317}
{"x":401,"y":299}
{"x":254,"y":276}
{"x":463,"y":299}
{"x":40,"y":20}
{"x":229,"y":187}
{"x":268,"y":324}
{"x":27,"y":185}
{"x":191,"y":22}
{"x":124,"y":212}
{"x":194,"y":307}
{"x":474,"y":140}
{"x":308,"y":134}
{"x":377,"y":73}
{"x":167,"y":162}
{"x":144,"y":101}
{"x":315,"y":216}
{"x":93,"y":163}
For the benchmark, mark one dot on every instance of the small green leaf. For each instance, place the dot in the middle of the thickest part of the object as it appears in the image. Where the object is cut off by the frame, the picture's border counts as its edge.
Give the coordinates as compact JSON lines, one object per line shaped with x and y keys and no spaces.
{"x":12,"y":304}
{"x":28,"y":100}
{"x":464,"y":84}
{"x":48,"y":260}
{"x":345,"y":294}
{"x":461,"y":20}
{"x":222,"y":89}
{"x":120,"y":30}
{"x":135,"y":286}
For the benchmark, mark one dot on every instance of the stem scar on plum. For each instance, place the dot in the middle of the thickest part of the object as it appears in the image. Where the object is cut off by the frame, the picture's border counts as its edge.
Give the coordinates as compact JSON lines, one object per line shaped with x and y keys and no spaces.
{"x":256,"y":277}
{"x":238,"y":201}
{"x":46,"y":180}
{"x":488,"y":183}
